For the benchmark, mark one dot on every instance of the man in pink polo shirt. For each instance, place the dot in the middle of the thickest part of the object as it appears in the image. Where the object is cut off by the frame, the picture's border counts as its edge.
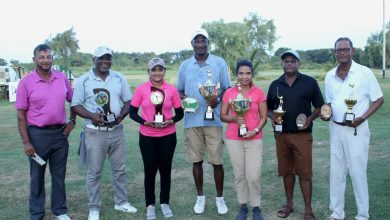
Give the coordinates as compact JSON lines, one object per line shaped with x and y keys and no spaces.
{"x":40,"y":102}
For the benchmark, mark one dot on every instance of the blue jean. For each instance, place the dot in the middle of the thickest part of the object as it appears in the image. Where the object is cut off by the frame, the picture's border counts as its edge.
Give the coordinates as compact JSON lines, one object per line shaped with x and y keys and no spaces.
{"x":52,"y":146}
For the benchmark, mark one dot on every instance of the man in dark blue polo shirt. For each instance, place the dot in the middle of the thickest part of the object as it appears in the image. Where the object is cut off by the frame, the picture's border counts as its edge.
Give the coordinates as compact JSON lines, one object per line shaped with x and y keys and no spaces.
{"x":295,"y":93}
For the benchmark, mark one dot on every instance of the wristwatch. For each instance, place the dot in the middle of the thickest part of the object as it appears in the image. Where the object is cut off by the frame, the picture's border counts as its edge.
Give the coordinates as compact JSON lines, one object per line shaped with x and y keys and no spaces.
{"x":257,"y":130}
{"x":72,"y":121}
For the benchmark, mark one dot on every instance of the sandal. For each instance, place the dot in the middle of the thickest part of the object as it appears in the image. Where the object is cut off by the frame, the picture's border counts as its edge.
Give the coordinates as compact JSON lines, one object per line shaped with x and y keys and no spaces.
{"x":309,"y":216}
{"x":285,"y":211}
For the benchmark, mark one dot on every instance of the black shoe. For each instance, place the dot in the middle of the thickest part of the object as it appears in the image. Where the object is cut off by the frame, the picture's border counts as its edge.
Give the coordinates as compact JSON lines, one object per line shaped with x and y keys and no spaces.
{"x":242,"y":214}
{"x":256,"y":212}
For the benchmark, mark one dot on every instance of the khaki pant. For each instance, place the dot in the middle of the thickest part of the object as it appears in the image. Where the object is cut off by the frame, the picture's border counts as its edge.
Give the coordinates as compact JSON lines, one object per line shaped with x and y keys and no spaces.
{"x":246,"y":158}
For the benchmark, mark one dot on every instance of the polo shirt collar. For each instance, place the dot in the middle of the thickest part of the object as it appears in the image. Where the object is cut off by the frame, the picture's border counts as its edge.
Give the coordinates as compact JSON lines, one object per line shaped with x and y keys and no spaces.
{"x":164,"y":85}
{"x":282,"y":78}
{"x":93,"y":75}
{"x":352,"y":69}
{"x":37,"y":78}
{"x":195,"y":61}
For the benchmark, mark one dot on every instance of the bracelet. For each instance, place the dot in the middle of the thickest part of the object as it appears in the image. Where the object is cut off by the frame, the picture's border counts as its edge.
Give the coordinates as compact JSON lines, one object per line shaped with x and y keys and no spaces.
{"x":72,"y":121}
{"x":256,"y":130}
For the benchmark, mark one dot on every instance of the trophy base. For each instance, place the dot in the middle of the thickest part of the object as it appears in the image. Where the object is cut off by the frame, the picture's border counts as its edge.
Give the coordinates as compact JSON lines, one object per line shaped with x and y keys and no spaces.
{"x":191,"y":110}
{"x":158,"y":120}
{"x":209,"y":116}
{"x":242,"y":131}
{"x":110,"y":119}
{"x":348,"y":118}
{"x":278,"y":128}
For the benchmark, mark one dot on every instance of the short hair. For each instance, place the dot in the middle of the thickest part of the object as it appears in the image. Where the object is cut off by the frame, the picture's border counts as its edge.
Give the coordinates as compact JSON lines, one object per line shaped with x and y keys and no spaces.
{"x":41,"y":47}
{"x":342,"y":39}
{"x":244,"y":62}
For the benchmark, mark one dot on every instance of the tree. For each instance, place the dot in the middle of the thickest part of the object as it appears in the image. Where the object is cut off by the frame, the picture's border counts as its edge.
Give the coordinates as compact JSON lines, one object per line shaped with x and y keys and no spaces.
{"x":372,"y":56}
{"x":3,"y":62}
{"x":250,"y":39}
{"x":64,"y":45}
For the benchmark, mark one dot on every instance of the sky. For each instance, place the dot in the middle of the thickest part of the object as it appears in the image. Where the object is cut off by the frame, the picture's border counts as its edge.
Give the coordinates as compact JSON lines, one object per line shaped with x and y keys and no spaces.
{"x":167,"y":25}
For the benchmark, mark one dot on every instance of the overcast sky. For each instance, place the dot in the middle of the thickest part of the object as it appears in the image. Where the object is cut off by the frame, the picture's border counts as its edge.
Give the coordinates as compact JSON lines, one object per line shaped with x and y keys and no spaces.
{"x":166,"y":25}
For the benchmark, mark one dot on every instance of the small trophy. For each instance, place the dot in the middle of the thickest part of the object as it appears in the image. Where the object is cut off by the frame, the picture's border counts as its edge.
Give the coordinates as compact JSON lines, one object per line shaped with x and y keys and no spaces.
{"x":326,"y":112}
{"x":301,"y":121}
{"x":189,"y":104}
{"x":102,"y":98}
{"x":278,"y":115}
{"x":240,"y":105}
{"x":350,"y":102}
{"x":157,"y":97}
{"x":209,"y":91}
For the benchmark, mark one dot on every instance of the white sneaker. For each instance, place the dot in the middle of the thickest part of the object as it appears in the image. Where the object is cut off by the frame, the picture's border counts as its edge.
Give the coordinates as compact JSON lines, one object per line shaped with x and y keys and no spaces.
{"x":200,"y":203}
{"x":93,"y":215}
{"x":63,"y":217}
{"x":221,"y":205}
{"x":167,"y":212}
{"x":150,"y":212}
{"x":126,"y":207}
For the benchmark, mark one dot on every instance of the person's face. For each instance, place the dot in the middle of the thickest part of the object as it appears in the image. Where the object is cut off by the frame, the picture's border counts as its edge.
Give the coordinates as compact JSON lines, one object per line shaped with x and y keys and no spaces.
{"x":43,"y":60}
{"x":290,"y":64}
{"x":103,"y":63}
{"x":157,"y":73}
{"x":200,"y":45}
{"x":344,"y":51}
{"x":244,"y":75}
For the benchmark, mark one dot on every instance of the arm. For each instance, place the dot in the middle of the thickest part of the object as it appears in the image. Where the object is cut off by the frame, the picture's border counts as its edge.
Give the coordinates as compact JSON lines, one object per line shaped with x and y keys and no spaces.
{"x":262,"y":121}
{"x":96,"y":118}
{"x":371,"y":110}
{"x":124,"y":111}
{"x":72,"y":122}
{"x":225,"y":117}
{"x":22,"y":125}
{"x":182,"y":94}
{"x":311,"y":118}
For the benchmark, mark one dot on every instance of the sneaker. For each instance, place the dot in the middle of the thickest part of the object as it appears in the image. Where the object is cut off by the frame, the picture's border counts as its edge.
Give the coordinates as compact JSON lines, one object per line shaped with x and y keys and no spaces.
{"x":63,"y":217}
{"x":221,"y":205}
{"x":200,"y":203}
{"x":126,"y":207}
{"x":93,"y":215}
{"x":256,"y":214}
{"x":242,"y":214}
{"x":150,"y":212}
{"x":167,"y":212}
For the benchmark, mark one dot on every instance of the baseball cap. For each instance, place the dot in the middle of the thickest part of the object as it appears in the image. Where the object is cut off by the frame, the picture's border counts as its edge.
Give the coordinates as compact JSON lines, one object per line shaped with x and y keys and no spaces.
{"x":200,"y":32}
{"x":156,"y":61}
{"x":291,"y":53}
{"x":102,"y":50}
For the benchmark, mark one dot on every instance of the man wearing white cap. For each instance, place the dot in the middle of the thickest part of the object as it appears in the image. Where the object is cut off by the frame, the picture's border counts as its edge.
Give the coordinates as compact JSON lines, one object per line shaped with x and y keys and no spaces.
{"x":204,"y":135}
{"x":296,"y":94}
{"x":102,"y":97}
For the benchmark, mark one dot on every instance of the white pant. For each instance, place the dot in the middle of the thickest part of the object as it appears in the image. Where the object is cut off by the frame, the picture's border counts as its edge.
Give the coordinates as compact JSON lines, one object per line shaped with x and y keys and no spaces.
{"x":246,"y":157}
{"x":348,"y":153}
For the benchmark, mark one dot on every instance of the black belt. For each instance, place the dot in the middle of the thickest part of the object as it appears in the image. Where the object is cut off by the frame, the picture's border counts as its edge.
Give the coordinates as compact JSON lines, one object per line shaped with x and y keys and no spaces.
{"x":49,"y":127}
{"x":340,"y":123}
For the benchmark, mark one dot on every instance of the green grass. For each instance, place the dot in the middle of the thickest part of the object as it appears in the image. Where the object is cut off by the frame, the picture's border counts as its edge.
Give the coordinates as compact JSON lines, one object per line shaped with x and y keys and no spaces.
{"x":14,"y":170}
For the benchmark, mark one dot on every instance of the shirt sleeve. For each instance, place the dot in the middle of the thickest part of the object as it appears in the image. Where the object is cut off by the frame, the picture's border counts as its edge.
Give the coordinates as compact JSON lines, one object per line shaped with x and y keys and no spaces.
{"x":79,"y":93}
{"x":69,"y":94}
{"x":176,"y":99}
{"x":374,"y":90}
{"x":137,"y":98}
{"x":126,"y":91}
{"x":318,"y":100}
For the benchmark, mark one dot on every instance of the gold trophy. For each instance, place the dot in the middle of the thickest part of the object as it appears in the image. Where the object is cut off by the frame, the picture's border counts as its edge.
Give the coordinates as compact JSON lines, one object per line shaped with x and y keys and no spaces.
{"x":157,"y":97}
{"x":209,"y":91}
{"x":102,"y":98}
{"x":326,"y":112}
{"x":350,"y":102}
{"x":240,"y":105}
{"x":278,"y":115}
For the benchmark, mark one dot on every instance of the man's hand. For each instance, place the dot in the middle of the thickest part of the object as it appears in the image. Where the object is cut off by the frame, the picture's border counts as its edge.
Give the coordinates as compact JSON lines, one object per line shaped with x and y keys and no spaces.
{"x":29,"y":149}
{"x":98,"y":119}
{"x":356,"y":122}
{"x":213,"y":102}
{"x":68,"y":128}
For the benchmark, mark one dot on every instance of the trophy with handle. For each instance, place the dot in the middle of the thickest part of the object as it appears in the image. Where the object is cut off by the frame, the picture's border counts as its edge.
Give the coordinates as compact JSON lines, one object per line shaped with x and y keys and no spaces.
{"x":278,"y":115}
{"x":209,"y":91}
{"x":349,"y":116}
{"x":157,"y":97}
{"x":240,"y":105}
{"x":102,"y":98}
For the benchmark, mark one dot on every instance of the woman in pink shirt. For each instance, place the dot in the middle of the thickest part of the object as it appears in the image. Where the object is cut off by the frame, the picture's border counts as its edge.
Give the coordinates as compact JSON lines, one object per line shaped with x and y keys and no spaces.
{"x":245,"y":150}
{"x":157,"y":133}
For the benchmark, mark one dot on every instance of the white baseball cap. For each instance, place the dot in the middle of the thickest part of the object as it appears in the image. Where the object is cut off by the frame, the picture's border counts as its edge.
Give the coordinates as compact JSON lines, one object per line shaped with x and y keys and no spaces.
{"x":102,"y":50}
{"x":200,"y":32}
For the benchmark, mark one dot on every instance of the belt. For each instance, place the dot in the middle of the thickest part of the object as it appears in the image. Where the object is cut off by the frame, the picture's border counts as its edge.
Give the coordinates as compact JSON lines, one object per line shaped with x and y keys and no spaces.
{"x":48,"y":127}
{"x":340,"y":123}
{"x":102,"y":128}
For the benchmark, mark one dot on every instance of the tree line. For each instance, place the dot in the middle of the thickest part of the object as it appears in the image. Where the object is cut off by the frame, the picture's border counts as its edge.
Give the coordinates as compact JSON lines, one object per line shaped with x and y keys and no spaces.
{"x":253,"y":39}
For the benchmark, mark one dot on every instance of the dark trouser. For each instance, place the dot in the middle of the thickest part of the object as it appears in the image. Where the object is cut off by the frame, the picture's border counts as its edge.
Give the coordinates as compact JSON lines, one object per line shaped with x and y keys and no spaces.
{"x":53,"y":147}
{"x":157,"y":154}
